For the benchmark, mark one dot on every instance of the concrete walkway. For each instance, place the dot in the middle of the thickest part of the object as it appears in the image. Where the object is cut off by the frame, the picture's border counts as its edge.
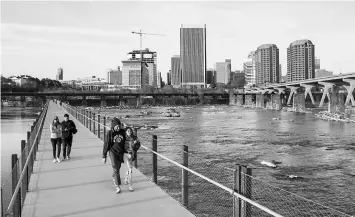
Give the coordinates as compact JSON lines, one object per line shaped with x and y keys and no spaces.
{"x":83,"y":185}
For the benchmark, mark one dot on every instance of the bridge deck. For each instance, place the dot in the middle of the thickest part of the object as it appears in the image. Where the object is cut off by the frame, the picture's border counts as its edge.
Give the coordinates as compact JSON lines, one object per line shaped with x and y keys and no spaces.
{"x":83,"y":186}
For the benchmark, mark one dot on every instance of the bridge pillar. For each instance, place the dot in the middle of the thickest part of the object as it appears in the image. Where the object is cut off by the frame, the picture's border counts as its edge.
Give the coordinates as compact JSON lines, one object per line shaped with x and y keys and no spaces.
{"x":139,"y":102}
{"x":260,"y":101}
{"x":336,"y":102}
{"x":240,"y":99}
{"x":84,"y":102}
{"x":276,"y":101}
{"x":249,"y":100}
{"x":292,"y":92}
{"x":103,"y":102}
{"x":308,"y":91}
{"x":201,"y":98}
{"x":232,"y":98}
{"x":350,"y":89}
{"x":299,"y":102}
{"x":326,"y":92}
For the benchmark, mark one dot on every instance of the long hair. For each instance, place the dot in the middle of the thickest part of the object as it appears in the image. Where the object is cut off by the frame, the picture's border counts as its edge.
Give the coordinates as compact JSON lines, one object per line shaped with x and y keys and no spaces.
{"x":132,"y":134}
{"x":55,"y":124}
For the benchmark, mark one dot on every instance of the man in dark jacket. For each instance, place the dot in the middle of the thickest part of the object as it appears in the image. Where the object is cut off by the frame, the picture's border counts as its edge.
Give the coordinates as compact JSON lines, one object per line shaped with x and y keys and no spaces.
{"x":114,"y":143}
{"x":68,"y":129}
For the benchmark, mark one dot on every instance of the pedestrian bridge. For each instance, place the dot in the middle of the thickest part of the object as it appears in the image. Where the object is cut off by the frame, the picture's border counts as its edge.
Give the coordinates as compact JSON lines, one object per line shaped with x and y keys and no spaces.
{"x":82,"y":186}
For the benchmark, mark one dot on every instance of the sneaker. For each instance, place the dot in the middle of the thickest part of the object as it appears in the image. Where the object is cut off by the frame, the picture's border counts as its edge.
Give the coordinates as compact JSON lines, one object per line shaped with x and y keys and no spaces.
{"x":54,"y":160}
{"x":118,"y":189}
{"x":114,"y":182}
{"x":130,"y":188}
{"x":68,"y":158}
{"x":58,"y":160}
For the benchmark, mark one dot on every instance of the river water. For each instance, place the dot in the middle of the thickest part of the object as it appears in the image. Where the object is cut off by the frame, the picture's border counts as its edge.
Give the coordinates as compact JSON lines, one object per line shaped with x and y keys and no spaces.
{"x":321,"y":154}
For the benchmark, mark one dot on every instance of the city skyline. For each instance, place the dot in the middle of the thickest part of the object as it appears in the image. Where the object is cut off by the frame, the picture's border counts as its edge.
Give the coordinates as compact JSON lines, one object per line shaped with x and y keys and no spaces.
{"x":88,"y":38}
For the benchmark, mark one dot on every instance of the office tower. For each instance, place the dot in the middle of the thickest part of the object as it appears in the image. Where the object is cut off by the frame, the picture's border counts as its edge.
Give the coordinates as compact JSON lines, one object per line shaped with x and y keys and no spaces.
{"x":159,"y":80}
{"x":59,"y":76}
{"x":300,"y":60}
{"x":168,"y":78}
{"x":149,"y":57}
{"x":210,"y":76}
{"x":267,"y":64}
{"x":249,"y":69}
{"x":223,"y":71}
{"x":193,"y":56}
{"x":175,"y":71}
{"x":134,"y":74}
{"x":114,"y":77}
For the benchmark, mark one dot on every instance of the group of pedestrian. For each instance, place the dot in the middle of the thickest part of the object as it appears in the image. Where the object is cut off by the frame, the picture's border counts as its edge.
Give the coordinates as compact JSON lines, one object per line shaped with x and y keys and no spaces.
{"x":62,"y":133}
{"x":122,"y":145}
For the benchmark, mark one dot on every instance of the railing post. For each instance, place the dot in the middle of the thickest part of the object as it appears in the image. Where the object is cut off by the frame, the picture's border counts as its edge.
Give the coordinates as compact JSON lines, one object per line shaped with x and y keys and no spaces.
{"x":90,"y":116}
{"x":17,"y":204}
{"x":24,"y":180}
{"x":87,"y":118}
{"x":185,"y":178}
{"x":76,"y":113}
{"x":104,"y":128}
{"x":98,"y":126}
{"x":237,"y":184}
{"x":155,"y":166}
{"x":136,"y":160}
{"x":28,"y":148}
{"x":94,"y":124}
{"x":246,"y":191}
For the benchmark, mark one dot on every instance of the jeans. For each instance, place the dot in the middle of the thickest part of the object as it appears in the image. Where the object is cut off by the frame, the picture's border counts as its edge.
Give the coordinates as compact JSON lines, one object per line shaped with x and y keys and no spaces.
{"x":116,"y":166}
{"x":56,"y":143}
{"x":67,"y":142}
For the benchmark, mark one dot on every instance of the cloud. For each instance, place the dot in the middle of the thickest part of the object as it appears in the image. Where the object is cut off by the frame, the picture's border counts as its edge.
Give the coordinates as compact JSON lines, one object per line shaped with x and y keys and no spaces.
{"x":61,"y":29}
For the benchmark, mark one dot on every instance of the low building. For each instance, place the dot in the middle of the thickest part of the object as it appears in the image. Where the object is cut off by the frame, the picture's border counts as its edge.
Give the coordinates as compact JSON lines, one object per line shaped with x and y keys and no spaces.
{"x":322,"y":73}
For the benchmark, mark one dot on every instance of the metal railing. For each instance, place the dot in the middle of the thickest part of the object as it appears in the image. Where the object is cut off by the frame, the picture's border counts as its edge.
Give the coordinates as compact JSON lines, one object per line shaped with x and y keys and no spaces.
{"x":15,"y":186}
{"x":240,"y":200}
{"x":208,"y":189}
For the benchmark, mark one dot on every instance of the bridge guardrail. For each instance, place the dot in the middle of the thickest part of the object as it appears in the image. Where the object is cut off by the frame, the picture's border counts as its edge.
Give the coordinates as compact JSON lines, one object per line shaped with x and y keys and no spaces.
{"x":15,"y":186}
{"x":216,"y":192}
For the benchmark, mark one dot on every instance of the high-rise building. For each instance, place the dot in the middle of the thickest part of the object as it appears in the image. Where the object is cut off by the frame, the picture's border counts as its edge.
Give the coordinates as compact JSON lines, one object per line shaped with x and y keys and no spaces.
{"x":223,"y":71}
{"x":59,"y":76}
{"x":134,"y":74}
{"x":267,"y":64}
{"x":249,"y":69}
{"x":175,"y":71}
{"x":317,"y":64}
{"x":114,"y":77}
{"x":210,"y":76}
{"x":168,"y":78}
{"x":159,"y":80}
{"x":149,"y":57}
{"x":193,"y":56}
{"x":300,"y":60}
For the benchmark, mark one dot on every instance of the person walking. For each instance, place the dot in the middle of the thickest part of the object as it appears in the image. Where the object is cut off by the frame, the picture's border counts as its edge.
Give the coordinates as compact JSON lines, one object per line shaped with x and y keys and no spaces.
{"x":132,"y":145}
{"x":114,"y":144}
{"x":56,"y":138}
{"x":68,"y":129}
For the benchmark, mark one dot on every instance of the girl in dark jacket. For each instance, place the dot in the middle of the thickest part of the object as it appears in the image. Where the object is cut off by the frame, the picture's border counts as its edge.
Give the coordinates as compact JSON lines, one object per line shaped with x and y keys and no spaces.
{"x":130,"y":153}
{"x":114,"y":143}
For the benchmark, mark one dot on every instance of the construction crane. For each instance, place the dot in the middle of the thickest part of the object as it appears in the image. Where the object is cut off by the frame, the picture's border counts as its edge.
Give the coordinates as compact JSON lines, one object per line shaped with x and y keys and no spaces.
{"x":140,"y":33}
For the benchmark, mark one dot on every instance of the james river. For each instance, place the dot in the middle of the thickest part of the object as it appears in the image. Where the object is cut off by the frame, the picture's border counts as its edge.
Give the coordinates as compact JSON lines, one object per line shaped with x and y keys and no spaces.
{"x":321,"y":154}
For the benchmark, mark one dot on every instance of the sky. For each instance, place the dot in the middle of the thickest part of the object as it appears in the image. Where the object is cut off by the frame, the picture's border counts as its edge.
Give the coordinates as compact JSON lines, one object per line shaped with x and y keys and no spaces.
{"x":87,"y":38}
